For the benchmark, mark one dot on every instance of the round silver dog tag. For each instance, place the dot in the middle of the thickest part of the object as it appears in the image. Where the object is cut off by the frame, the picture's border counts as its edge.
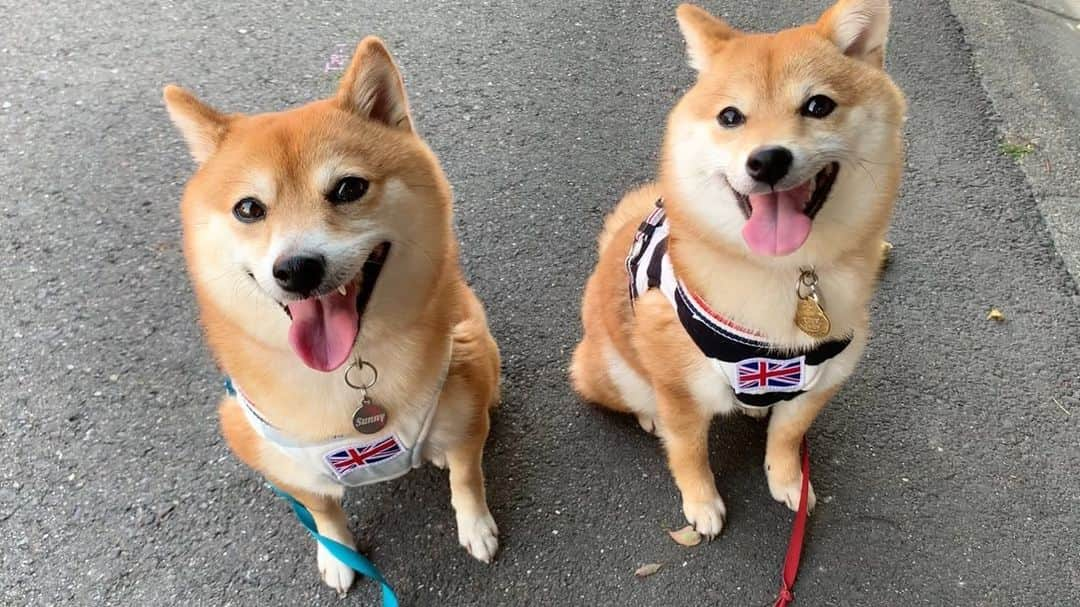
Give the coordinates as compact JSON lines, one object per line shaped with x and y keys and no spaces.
{"x":369,"y":418}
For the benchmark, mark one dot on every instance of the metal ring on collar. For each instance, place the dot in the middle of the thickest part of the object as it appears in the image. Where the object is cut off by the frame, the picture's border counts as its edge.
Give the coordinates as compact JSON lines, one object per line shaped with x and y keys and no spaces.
{"x":807,"y":280}
{"x":360,"y":365}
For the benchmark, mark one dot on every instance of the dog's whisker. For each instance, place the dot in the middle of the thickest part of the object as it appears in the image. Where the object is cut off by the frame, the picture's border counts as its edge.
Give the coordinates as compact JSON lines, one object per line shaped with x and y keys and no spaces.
{"x":868,"y":161}
{"x":859,"y":163}
{"x":413,"y":245}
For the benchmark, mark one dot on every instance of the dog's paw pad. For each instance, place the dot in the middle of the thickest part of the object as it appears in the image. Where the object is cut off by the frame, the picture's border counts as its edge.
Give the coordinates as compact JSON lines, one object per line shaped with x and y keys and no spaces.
{"x":789,"y":494}
{"x":479,"y":536}
{"x":707,"y":517}
{"x":334,"y":573}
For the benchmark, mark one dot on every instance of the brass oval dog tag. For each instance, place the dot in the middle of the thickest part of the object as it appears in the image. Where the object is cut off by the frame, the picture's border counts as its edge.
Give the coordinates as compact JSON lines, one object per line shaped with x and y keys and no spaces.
{"x":369,"y":418}
{"x":811,"y":319}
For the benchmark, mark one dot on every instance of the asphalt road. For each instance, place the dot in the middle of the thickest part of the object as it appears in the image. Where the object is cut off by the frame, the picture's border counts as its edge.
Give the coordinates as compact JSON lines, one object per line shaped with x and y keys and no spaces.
{"x":946,"y":469}
{"x":1028,"y":52}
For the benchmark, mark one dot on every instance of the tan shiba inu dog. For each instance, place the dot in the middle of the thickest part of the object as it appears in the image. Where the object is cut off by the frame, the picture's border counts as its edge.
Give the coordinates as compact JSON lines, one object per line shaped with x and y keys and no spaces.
{"x":320,"y":246}
{"x":740,"y":280}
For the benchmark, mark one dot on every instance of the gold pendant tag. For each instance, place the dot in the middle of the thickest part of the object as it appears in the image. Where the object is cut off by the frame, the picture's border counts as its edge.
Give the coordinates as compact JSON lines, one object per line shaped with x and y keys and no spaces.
{"x":811,"y":319}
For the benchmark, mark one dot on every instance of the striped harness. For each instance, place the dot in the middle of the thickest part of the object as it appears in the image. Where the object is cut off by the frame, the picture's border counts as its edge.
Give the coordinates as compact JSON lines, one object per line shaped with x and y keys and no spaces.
{"x":759,"y":373}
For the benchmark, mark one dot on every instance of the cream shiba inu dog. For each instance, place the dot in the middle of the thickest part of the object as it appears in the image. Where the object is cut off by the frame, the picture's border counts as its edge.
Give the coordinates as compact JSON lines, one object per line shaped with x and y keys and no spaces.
{"x":740,"y":280}
{"x":320,"y":246}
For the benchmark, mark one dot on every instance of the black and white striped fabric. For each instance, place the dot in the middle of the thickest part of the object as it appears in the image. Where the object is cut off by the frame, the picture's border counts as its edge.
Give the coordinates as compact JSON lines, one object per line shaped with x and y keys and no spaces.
{"x":760,"y":374}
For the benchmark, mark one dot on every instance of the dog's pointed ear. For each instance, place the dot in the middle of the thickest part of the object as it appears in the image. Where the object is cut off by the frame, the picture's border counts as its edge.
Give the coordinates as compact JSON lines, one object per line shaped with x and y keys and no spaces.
{"x":859,"y":28}
{"x":202,"y":126}
{"x":704,"y":34}
{"x":372,"y":86}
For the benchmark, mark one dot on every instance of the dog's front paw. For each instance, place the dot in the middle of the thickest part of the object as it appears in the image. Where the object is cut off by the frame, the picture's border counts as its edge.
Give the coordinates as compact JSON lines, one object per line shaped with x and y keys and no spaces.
{"x":754,"y":412}
{"x":707,"y":517}
{"x":647,"y":422}
{"x":336,"y":574}
{"x":788,"y":491}
{"x":438,"y":460}
{"x":479,"y":535}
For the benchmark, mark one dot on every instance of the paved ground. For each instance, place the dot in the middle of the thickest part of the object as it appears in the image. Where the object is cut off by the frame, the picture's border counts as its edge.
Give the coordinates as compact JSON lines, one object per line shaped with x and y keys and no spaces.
{"x":946,"y":469}
{"x":1028,"y":53}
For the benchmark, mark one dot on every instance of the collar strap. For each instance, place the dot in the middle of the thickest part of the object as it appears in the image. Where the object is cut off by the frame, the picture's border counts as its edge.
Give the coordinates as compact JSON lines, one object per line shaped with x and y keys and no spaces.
{"x":259,"y":423}
{"x":703,"y":308}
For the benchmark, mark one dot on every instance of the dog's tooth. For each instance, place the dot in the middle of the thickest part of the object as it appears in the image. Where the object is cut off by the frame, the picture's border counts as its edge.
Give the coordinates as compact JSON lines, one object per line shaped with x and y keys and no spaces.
{"x":342,"y":290}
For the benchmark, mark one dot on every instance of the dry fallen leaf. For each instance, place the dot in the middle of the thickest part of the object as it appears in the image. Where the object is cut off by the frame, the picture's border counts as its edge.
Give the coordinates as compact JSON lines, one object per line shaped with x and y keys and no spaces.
{"x":687,"y":536}
{"x":995,"y":314}
{"x":886,"y":251}
{"x":647,"y":570}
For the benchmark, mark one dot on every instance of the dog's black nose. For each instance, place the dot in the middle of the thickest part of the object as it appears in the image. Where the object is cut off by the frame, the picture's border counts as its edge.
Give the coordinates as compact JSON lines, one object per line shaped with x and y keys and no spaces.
{"x":769,"y":164}
{"x":300,"y":274}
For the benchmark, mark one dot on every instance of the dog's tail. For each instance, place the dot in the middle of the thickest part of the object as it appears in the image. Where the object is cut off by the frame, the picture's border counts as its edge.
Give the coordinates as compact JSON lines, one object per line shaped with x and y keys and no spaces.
{"x":633,"y":208}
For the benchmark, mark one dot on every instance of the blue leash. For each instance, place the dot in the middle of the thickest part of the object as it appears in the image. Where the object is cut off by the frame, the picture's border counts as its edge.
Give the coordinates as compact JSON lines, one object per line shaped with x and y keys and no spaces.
{"x":341,"y":552}
{"x":352,"y":559}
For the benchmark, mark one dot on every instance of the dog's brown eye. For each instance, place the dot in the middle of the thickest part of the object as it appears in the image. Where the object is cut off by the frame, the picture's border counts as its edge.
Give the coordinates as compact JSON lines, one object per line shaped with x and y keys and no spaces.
{"x":348,"y":189}
{"x":730,"y":117}
{"x":818,"y":106}
{"x":249,"y":210}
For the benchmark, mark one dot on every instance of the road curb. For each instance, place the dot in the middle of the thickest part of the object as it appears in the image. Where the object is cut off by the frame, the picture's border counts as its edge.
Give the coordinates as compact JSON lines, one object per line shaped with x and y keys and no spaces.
{"x":1027,"y":54}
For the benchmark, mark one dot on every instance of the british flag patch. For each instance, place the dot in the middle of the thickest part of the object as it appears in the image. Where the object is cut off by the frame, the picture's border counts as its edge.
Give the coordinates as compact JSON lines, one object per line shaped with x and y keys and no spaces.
{"x":758,"y":375}
{"x":346,"y":460}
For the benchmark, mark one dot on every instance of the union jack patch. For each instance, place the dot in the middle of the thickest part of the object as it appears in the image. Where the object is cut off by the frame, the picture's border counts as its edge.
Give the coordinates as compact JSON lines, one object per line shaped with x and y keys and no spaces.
{"x":759,"y":375}
{"x":355,"y":457}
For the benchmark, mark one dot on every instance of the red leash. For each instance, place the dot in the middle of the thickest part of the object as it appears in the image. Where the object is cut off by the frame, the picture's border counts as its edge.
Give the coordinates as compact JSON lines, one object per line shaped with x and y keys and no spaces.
{"x":798,"y":530}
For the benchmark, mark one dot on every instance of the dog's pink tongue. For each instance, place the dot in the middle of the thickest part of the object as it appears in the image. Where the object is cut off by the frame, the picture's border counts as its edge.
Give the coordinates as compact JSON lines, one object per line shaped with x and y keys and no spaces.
{"x":777,"y":224}
{"x":324,"y":329}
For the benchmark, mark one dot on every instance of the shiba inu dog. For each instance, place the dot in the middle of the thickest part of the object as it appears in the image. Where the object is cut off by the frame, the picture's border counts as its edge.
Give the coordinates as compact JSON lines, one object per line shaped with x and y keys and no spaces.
{"x":320,"y":246}
{"x":740,"y":280}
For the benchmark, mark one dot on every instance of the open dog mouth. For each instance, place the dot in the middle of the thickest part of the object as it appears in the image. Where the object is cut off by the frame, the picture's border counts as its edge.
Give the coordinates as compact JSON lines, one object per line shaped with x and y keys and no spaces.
{"x":778,"y":223}
{"x":324,"y":326}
